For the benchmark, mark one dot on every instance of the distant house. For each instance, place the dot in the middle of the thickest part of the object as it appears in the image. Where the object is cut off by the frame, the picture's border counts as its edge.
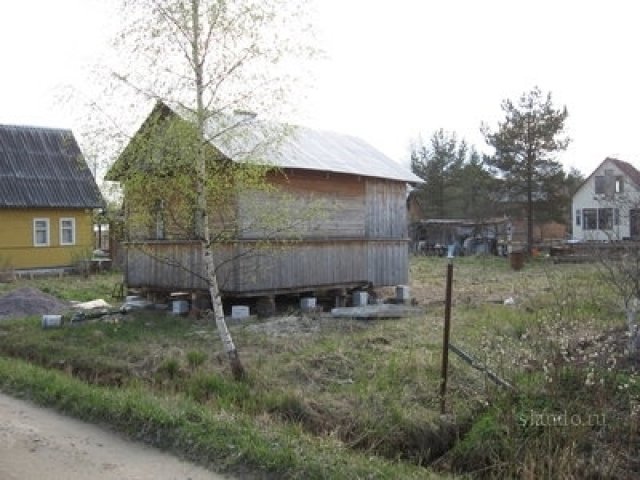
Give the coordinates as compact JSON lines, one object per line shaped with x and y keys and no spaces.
{"x":359,"y":238}
{"x":607,"y":204}
{"x":47,"y":197}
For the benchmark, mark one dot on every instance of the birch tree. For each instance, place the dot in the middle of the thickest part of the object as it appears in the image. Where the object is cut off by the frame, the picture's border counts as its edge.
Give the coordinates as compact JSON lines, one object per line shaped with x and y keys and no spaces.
{"x":209,"y":59}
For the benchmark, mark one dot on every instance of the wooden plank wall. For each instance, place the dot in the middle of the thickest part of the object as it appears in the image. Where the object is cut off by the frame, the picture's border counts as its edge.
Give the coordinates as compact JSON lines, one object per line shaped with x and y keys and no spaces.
{"x":388,"y":262}
{"x":359,"y":235}
{"x":386,"y":209}
{"x":298,"y":266}
{"x":313,"y":205}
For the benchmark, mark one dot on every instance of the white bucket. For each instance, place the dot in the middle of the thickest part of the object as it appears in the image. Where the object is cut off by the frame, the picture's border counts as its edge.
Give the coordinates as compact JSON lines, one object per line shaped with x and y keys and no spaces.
{"x":51,"y":321}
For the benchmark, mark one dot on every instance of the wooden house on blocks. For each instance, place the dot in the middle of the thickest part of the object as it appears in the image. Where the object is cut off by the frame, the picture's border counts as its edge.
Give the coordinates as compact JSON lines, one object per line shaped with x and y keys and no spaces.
{"x":332,"y":209}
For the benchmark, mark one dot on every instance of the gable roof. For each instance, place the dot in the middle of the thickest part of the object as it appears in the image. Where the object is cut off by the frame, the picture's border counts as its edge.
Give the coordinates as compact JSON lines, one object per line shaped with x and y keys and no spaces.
{"x":299,"y":147}
{"x":310,"y":149}
{"x":626,"y":168}
{"x":43,"y":167}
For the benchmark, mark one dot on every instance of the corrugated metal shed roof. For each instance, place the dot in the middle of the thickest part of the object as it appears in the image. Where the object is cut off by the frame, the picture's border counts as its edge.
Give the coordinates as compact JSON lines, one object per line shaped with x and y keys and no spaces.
{"x":43,"y":167}
{"x":303,"y":148}
{"x":334,"y":152}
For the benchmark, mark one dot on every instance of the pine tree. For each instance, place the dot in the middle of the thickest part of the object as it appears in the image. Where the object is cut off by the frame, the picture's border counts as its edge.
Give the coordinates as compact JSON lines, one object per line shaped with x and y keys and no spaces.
{"x":526,"y":143}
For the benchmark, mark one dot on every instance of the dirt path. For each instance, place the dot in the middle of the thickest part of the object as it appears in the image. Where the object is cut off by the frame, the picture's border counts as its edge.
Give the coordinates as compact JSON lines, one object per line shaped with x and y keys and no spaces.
{"x":39,"y":443}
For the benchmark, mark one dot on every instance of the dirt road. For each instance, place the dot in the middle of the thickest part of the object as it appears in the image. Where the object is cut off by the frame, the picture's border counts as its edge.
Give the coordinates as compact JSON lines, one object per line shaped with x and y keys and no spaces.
{"x":39,"y":443}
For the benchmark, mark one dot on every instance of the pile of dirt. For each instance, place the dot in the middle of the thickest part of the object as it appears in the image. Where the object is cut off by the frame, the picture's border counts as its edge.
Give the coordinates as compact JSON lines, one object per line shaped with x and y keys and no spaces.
{"x":29,"y":301}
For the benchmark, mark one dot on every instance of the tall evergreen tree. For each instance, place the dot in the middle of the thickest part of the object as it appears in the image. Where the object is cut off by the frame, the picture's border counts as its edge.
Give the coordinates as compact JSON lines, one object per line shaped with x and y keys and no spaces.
{"x":457,"y":184}
{"x":526,"y":143}
{"x":476,"y":189}
{"x":437,"y":165}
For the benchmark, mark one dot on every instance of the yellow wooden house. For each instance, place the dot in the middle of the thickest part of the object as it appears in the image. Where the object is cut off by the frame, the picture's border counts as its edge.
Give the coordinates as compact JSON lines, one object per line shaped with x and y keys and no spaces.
{"x":47,"y":199}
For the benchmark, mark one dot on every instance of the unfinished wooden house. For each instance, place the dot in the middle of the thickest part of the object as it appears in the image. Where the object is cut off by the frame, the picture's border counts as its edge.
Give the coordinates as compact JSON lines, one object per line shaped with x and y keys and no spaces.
{"x":353,"y":234}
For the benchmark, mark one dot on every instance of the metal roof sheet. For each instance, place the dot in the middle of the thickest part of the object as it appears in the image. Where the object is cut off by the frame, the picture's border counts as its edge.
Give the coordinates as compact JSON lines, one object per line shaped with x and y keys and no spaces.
{"x":302,"y":148}
{"x":44,"y":167}
{"x":334,"y":152}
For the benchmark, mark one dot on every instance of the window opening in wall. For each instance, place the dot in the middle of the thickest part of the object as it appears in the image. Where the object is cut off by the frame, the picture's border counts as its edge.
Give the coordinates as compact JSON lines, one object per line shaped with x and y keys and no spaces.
{"x":605,"y":218}
{"x":599,"y":185}
{"x":600,"y":218}
{"x":590,"y":219}
{"x":41,"y":232}
{"x":67,"y":231}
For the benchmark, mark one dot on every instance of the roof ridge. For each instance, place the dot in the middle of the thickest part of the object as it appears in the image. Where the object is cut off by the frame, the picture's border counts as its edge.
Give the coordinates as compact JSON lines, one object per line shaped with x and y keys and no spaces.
{"x":34,"y":127}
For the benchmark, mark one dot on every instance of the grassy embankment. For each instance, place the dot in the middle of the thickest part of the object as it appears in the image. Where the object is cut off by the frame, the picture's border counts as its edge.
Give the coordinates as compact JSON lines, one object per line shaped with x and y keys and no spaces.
{"x":349,"y":399}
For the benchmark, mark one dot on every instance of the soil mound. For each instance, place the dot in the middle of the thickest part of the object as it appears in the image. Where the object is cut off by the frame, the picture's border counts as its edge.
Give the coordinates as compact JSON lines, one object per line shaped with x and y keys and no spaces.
{"x":29,"y":301}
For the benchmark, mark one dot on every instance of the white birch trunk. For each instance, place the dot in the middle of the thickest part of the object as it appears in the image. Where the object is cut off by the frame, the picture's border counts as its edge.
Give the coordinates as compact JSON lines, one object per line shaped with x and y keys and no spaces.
{"x":203,"y":215}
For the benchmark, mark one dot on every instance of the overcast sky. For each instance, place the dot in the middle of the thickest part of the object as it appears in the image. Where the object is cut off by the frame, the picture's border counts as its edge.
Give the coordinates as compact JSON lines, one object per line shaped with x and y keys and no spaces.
{"x":394,"y":70}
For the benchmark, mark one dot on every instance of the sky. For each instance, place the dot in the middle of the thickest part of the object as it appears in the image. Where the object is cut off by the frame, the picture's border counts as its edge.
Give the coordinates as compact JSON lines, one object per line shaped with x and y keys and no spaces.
{"x":392,"y":71}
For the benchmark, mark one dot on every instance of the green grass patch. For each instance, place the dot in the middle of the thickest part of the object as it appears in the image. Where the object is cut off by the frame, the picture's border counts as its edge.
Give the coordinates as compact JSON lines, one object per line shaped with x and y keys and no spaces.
{"x":71,"y":287}
{"x":232,"y":441}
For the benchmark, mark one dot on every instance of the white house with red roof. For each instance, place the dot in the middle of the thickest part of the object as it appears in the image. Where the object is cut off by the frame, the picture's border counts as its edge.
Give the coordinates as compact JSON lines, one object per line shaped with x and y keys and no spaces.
{"x":606,"y":206}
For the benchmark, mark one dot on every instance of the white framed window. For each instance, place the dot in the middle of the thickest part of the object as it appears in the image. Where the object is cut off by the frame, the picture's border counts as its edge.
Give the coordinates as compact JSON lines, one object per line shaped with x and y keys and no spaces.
{"x":41,"y":232}
{"x":67,"y":231}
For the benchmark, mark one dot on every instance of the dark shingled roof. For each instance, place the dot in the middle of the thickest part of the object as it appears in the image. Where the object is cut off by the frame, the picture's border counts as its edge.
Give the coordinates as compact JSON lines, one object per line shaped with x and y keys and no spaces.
{"x":626,"y":168}
{"x":43,"y":167}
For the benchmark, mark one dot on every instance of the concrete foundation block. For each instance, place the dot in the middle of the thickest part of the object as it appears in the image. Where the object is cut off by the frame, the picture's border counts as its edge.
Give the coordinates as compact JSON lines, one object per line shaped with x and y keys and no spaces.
{"x":360,"y":299}
{"x":308,"y":304}
{"x":403,"y":294}
{"x":179,"y":307}
{"x":239,"y":312}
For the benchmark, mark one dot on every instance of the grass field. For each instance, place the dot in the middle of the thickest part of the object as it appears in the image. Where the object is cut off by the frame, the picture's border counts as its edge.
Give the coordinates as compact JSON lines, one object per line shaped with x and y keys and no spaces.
{"x":329,"y":398}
